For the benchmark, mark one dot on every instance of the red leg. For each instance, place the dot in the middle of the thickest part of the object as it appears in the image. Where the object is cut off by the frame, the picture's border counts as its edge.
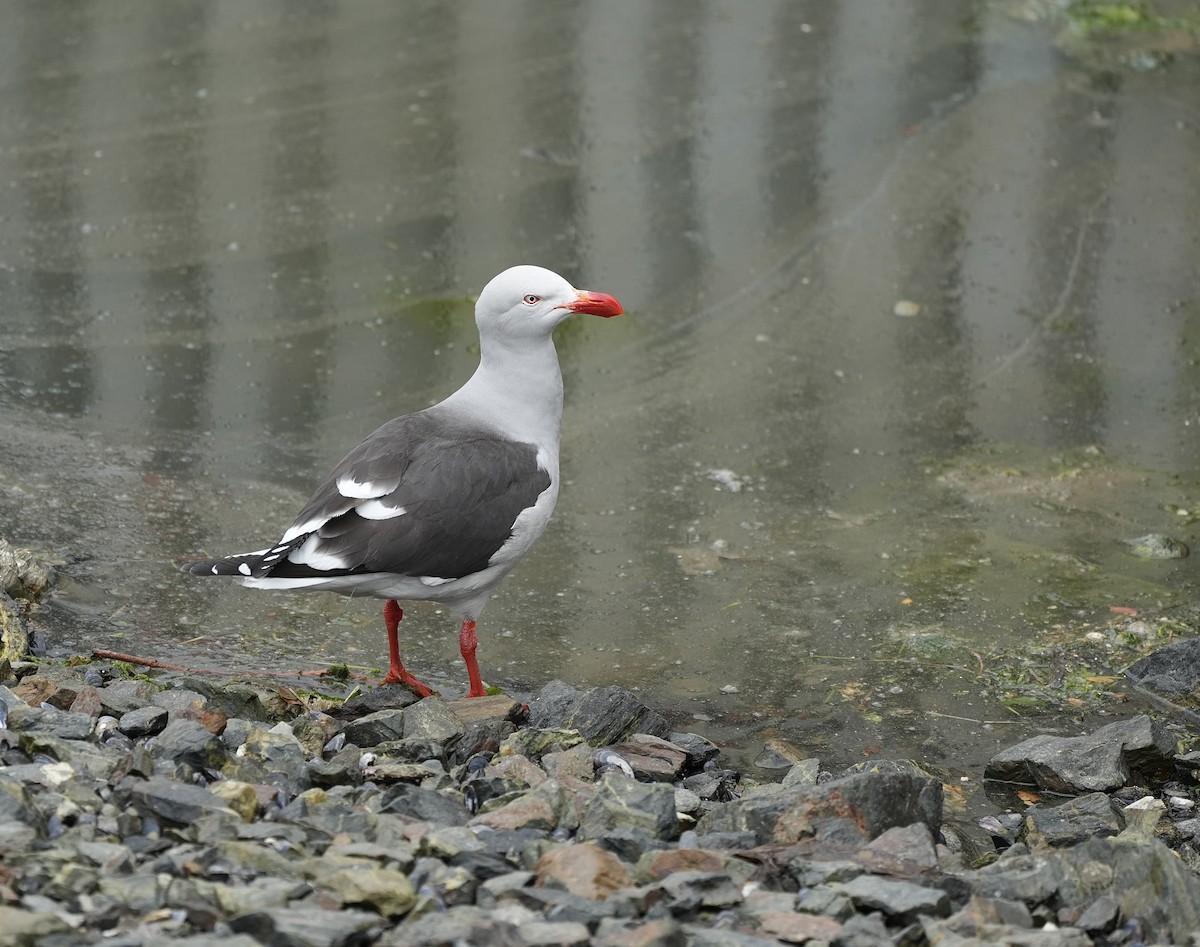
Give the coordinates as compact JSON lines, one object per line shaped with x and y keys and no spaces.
{"x":392,"y":614}
{"x":466,"y":645}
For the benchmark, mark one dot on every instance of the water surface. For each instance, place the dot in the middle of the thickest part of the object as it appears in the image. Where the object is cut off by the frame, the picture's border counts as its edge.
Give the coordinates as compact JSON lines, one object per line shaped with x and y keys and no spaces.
{"x":234,"y":237}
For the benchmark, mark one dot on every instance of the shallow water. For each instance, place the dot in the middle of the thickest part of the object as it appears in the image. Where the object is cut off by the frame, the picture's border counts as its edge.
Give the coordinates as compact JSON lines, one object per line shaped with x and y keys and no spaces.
{"x":236,"y":237}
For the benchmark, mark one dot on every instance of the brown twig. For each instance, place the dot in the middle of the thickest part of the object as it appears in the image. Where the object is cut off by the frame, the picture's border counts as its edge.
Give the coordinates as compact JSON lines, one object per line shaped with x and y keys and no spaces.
{"x":163,"y":666}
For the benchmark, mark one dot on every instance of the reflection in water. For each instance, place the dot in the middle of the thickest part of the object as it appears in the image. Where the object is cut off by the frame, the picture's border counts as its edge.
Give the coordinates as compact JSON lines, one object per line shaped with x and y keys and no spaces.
{"x":237,"y":237}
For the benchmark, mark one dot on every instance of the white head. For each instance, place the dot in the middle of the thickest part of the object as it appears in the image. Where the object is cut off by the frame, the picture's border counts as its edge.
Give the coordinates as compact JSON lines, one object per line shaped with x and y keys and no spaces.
{"x":529,"y":301}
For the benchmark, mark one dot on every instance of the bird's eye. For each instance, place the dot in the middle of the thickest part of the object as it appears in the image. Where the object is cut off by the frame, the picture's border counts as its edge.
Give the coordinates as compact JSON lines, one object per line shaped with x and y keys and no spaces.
{"x":532,"y":300}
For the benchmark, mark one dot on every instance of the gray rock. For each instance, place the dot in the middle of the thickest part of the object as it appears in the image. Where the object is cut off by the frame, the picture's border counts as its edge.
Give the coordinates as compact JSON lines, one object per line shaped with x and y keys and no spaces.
{"x":622,"y":803}
{"x":603,"y":715}
{"x":483,"y":737}
{"x":901,"y":900}
{"x":559,"y":905}
{"x":687,"y":892}
{"x":864,"y":930}
{"x":1107,"y":759}
{"x":431,"y":719}
{"x":699,"y":749}
{"x":22,"y":574}
{"x":1099,"y":917}
{"x":181,"y":702}
{"x":375,"y":728}
{"x":652,"y":758}
{"x":1173,"y":671}
{"x":1143,"y":877}
{"x":1071,"y":822}
{"x":428,"y":805}
{"x":16,"y":803}
{"x":241,"y":699}
{"x":189,"y":742}
{"x":826,"y":900}
{"x":342,"y":769}
{"x":630,"y":844}
{"x":120,"y":697}
{"x":138,"y":893}
{"x":306,"y":927}
{"x":176,"y":802}
{"x":655,"y":932}
{"x":24,"y":928}
{"x":257,"y":894}
{"x":143,"y":722}
{"x":705,"y":935}
{"x":803,"y":773}
{"x":554,"y":934}
{"x":1157,"y":546}
{"x":416,"y":750}
{"x":852,"y":809}
{"x":495,"y":889}
{"x":384,"y":890}
{"x":24,"y":720}
{"x":466,"y":925}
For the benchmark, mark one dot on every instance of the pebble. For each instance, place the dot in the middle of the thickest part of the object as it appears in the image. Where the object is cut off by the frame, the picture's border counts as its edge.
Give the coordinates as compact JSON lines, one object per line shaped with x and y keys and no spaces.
{"x":584,"y":820}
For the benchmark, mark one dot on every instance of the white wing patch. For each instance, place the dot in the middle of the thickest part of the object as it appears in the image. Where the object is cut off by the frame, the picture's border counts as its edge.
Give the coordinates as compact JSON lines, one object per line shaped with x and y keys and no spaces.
{"x":378,"y":510}
{"x":310,"y":555}
{"x":434,"y":580}
{"x":300,"y":529}
{"x":355,"y":490}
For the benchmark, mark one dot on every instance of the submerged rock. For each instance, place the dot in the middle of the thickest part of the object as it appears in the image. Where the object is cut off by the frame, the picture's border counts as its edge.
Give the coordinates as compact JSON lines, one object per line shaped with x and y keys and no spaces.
{"x":1157,"y":546}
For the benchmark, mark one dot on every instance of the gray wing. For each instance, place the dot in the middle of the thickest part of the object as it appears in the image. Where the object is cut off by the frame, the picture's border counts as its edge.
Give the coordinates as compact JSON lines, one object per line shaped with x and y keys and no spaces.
{"x":421,"y":496}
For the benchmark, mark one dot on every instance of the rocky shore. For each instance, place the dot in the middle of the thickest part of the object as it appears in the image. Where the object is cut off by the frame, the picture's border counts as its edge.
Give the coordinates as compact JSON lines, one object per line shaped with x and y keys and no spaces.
{"x":139,"y":809}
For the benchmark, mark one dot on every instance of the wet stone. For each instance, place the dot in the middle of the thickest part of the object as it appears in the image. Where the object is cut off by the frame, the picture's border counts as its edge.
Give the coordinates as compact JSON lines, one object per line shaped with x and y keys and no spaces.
{"x":856,"y":807}
{"x":1172,"y":671}
{"x":181,"y":703}
{"x":803,"y":773}
{"x":603,"y":715}
{"x":143,"y":722}
{"x":621,"y":803}
{"x":375,"y":728}
{"x":414,"y":750}
{"x":431,"y":719}
{"x":699,"y":749}
{"x":535,"y":743}
{"x":120,"y":697}
{"x":1157,"y":546}
{"x":188,"y":741}
{"x":484,"y":737}
{"x":1071,"y":822}
{"x":313,"y":730}
{"x":1104,"y":760}
{"x":652,"y":758}
{"x":245,"y":700}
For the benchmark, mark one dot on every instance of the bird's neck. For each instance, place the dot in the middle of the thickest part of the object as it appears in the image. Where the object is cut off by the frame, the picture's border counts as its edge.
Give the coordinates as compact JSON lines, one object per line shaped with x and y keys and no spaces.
{"x":518,"y":390}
